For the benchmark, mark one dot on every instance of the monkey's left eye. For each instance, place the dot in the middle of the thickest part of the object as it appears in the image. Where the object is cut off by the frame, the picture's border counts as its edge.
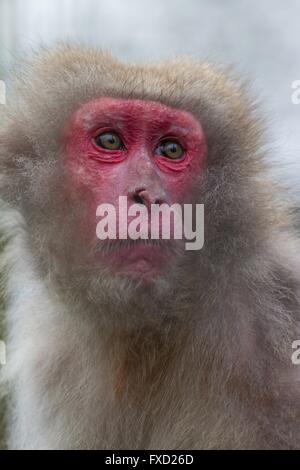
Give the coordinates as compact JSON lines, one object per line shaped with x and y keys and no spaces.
{"x":109,"y":141}
{"x":170,"y":149}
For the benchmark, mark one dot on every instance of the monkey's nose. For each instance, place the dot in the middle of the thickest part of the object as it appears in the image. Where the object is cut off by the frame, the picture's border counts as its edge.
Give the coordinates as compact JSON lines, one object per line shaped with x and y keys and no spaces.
{"x":142,"y":196}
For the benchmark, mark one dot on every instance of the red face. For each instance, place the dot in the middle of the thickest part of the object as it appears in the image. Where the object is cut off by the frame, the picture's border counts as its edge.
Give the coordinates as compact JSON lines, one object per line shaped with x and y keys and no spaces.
{"x":143,"y":150}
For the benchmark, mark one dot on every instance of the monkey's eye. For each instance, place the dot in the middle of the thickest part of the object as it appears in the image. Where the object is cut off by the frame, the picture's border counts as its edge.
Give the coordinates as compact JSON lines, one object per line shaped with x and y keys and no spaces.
{"x":170,"y":149}
{"x":109,"y":141}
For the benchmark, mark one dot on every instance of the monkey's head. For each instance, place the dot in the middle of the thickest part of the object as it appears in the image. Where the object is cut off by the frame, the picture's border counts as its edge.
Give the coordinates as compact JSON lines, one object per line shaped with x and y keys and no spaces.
{"x":83,"y":129}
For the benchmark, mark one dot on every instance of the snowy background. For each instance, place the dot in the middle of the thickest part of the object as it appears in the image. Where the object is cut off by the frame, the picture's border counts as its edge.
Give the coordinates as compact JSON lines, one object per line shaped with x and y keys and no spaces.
{"x":260,"y":37}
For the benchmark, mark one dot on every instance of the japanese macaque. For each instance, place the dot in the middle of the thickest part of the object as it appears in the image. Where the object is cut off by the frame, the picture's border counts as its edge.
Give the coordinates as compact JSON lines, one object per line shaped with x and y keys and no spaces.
{"x":142,"y":344}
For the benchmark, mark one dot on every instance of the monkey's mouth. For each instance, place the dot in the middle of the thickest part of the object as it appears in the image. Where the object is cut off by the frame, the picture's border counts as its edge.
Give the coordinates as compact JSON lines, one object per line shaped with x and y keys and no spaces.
{"x":138,"y":258}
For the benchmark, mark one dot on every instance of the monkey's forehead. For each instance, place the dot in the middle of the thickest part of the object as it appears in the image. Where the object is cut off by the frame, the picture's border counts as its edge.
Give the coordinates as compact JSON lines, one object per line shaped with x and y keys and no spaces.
{"x":134,"y":112}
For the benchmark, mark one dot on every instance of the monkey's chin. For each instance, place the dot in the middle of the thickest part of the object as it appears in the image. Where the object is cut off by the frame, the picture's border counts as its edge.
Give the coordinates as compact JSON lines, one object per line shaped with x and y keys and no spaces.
{"x":141,"y":272}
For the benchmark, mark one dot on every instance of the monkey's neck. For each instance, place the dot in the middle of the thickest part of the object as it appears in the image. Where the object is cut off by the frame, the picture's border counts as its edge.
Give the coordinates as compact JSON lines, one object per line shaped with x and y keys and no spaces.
{"x":142,"y":359}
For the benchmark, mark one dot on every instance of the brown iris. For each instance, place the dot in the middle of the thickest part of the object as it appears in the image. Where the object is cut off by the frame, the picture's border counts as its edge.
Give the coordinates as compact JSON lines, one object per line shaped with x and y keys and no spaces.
{"x":109,"y":141}
{"x":171,"y":149}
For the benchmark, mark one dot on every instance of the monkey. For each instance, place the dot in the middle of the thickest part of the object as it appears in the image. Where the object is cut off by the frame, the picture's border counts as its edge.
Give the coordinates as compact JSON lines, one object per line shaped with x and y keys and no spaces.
{"x":130,"y":344}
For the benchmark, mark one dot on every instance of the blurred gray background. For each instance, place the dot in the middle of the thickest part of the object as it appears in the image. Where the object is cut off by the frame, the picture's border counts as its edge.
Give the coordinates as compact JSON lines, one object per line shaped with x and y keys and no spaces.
{"x":260,"y":37}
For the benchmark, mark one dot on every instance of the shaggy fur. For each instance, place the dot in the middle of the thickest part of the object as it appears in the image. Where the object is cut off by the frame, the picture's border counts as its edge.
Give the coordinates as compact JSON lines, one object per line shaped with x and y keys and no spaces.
{"x":200,"y":360}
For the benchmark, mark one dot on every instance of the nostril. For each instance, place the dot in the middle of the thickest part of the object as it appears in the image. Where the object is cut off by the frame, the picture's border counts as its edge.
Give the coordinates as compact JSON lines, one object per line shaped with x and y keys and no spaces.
{"x":142,"y":196}
{"x":138,"y":199}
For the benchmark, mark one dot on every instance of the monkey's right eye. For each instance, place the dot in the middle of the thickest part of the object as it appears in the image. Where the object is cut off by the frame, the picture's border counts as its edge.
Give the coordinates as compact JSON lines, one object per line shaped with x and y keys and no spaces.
{"x":109,"y":141}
